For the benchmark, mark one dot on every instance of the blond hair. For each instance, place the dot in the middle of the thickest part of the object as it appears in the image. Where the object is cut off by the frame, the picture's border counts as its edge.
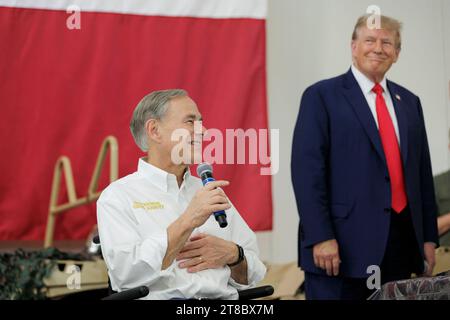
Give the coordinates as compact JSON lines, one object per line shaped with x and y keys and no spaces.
{"x":387,"y":23}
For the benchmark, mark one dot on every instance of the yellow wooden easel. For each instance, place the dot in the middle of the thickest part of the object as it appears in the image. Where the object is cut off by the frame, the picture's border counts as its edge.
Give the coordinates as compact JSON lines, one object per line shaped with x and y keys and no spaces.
{"x":63,"y":166}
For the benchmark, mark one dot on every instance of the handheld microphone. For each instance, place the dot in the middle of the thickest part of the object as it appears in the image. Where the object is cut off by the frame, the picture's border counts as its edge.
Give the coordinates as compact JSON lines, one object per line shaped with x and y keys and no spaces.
{"x":204,"y":171}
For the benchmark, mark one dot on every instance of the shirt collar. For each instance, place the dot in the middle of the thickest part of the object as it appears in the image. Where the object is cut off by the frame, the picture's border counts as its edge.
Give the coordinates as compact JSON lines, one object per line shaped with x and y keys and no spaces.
{"x":160,"y":178}
{"x":365,"y":83}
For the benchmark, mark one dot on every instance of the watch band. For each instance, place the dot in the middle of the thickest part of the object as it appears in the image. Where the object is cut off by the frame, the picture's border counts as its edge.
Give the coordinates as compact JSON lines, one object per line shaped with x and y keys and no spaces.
{"x":240,"y":257}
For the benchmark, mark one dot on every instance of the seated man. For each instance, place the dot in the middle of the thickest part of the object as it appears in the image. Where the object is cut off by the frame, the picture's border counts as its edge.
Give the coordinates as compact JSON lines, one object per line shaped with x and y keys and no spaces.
{"x":156,"y":224}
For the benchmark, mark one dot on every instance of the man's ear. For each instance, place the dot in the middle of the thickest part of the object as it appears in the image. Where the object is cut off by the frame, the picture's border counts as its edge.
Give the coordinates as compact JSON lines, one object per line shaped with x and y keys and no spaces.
{"x":353,"y":47}
{"x":153,"y":130}
{"x":397,"y":54}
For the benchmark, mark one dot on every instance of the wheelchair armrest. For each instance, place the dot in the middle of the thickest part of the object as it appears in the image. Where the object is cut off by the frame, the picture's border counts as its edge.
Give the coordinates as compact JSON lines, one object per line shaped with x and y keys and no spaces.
{"x":130,"y":294}
{"x":254,"y":293}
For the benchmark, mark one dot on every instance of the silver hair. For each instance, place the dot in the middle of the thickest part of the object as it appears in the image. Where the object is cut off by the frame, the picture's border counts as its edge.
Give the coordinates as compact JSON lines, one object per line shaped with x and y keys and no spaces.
{"x":152,"y":106}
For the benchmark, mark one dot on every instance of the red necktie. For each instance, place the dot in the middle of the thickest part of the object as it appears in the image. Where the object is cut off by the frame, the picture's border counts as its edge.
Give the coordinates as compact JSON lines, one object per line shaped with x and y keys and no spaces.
{"x":391,"y":152}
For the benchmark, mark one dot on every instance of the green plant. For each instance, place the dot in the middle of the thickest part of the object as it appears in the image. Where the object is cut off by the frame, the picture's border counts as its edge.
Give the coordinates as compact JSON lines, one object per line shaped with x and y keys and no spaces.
{"x":22,"y":273}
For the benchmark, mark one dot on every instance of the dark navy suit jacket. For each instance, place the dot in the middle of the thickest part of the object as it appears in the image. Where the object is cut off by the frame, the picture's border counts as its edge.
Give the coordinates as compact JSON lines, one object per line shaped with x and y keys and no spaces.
{"x":341,"y":180}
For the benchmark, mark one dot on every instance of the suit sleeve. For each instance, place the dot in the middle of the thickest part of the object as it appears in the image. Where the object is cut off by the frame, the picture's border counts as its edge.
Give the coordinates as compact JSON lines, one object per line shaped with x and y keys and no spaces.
{"x":429,"y":207}
{"x":309,"y":166}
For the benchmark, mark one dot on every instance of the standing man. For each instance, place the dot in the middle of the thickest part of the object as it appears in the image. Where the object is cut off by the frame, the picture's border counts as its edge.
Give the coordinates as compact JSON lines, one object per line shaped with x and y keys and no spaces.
{"x":362,"y":174}
{"x":156,"y":225}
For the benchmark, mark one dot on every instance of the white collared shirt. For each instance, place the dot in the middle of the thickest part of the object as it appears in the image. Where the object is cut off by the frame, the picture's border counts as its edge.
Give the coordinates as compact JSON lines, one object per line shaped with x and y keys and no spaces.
{"x":366,"y":86}
{"x":133,"y":215}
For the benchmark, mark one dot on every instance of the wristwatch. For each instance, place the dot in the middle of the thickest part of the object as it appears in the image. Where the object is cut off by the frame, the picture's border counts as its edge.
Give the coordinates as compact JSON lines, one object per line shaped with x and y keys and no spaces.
{"x":240,"y":258}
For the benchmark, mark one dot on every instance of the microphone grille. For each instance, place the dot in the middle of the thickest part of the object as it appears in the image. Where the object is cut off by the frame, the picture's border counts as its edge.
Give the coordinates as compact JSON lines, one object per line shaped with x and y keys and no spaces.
{"x":204,"y":167}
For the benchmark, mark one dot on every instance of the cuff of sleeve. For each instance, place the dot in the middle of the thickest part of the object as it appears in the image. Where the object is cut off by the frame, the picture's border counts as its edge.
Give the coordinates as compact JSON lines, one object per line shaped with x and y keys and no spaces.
{"x":312,"y":241}
{"x":238,"y":286}
{"x":313,"y":231}
{"x":432,"y":240}
{"x":433,"y":243}
{"x":255,"y":272}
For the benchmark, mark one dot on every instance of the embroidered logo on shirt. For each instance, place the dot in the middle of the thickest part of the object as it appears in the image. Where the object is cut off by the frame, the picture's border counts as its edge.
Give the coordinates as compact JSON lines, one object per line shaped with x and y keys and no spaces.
{"x":147,"y":206}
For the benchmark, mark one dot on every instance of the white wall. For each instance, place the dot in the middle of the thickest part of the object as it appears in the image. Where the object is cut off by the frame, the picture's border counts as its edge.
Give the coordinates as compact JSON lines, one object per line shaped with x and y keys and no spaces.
{"x":309,"y":40}
{"x":446,"y":27}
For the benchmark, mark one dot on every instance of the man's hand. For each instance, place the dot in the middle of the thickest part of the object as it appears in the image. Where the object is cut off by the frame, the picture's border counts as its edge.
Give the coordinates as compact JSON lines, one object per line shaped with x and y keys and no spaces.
{"x":429,"y":251}
{"x":326,"y":256}
{"x":207,"y":200}
{"x":204,"y":251}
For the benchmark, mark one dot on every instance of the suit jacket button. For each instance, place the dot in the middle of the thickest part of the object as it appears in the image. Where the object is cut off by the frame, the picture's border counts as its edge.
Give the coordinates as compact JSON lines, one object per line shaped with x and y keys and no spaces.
{"x":387,"y":179}
{"x":387,"y":210}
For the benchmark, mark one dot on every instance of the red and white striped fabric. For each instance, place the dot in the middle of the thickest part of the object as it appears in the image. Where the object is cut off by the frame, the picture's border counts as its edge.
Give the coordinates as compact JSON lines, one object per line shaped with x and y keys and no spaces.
{"x":63,"y":91}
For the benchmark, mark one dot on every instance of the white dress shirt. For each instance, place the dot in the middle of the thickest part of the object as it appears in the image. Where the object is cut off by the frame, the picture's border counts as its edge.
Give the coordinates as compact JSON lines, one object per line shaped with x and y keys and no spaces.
{"x":366,"y":86}
{"x":133,"y":215}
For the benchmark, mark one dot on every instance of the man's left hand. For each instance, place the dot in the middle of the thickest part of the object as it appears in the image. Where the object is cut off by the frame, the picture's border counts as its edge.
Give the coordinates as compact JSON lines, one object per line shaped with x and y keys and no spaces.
{"x":429,"y":251}
{"x":204,"y":251}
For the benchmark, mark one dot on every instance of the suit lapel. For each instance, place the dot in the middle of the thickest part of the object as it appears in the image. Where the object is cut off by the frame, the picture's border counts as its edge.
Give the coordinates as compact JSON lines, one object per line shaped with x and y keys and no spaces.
{"x":402,"y":121}
{"x":356,"y":98}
